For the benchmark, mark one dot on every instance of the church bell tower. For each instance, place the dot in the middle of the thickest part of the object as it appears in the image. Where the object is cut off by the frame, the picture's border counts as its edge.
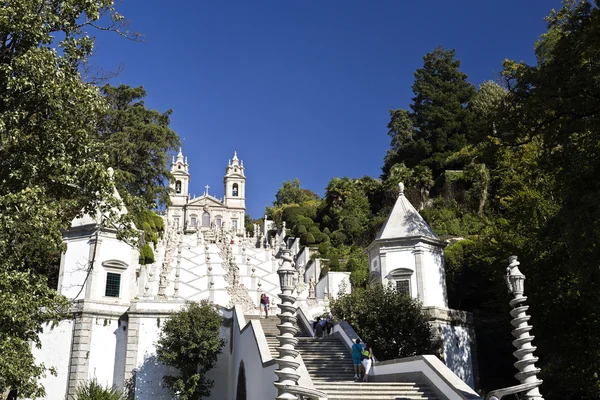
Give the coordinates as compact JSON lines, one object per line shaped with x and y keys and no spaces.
{"x":179,"y":188}
{"x":235,"y":185}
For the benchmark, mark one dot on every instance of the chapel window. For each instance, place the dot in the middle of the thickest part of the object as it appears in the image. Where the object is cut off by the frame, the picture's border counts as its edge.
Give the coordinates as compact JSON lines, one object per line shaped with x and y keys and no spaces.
{"x":113,"y":284}
{"x":403,"y":286}
{"x":234,"y":224}
{"x":234,"y":190}
{"x":178,"y":187}
{"x":193,"y":221}
{"x":401,"y":278}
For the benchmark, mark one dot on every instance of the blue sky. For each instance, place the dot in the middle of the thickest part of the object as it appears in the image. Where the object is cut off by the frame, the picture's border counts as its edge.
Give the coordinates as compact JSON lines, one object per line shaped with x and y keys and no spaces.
{"x":302,"y":89}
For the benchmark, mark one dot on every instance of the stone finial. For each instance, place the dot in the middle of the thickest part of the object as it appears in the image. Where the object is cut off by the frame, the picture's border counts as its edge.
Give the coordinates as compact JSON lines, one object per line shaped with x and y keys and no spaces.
{"x":401,"y":188}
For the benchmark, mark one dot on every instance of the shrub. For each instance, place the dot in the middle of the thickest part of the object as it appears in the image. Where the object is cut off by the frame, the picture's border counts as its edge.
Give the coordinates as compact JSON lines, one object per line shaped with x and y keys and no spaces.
{"x":326,"y":231}
{"x":305,"y":221}
{"x":334,"y":263}
{"x":393,"y":323}
{"x":301,"y":230}
{"x":320,"y":237}
{"x":189,"y":341}
{"x":291,"y":214}
{"x":92,"y":390}
{"x":338,"y":238}
{"x":314,"y":230}
{"x":309,"y":239}
{"x":324,"y":248}
{"x":146,"y":255}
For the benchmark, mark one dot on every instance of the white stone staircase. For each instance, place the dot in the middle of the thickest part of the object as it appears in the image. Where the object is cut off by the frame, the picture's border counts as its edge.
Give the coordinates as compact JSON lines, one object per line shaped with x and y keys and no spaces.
{"x":329,"y":364}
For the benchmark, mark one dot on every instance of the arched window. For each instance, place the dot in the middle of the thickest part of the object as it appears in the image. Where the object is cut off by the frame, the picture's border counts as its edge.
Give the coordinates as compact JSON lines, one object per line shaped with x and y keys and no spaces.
{"x":206,"y":220}
{"x":234,"y":190}
{"x":193,"y":221}
{"x":178,"y":187}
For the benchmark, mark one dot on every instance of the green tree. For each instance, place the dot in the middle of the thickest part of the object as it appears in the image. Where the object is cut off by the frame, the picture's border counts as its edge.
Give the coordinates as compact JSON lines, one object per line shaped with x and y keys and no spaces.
{"x":137,"y":141}
{"x":189,"y":341}
{"x":438,"y":124}
{"x":554,"y":121}
{"x":393,"y":323}
{"x":51,"y":165}
{"x":291,"y":193}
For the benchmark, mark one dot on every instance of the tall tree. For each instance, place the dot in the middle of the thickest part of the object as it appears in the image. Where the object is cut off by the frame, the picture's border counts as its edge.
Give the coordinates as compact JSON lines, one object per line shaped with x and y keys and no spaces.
{"x":50,"y":165}
{"x":137,"y":141}
{"x":291,"y":193}
{"x":437,"y":126}
{"x":556,"y":116}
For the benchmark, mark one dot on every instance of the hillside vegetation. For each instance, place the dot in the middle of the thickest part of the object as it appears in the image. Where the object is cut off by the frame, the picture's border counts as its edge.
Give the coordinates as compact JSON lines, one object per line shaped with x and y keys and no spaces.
{"x":509,"y":167}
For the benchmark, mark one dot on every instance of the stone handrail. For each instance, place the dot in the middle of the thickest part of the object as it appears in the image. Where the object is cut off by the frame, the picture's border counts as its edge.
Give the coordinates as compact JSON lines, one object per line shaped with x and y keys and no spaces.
{"x":306,"y":393}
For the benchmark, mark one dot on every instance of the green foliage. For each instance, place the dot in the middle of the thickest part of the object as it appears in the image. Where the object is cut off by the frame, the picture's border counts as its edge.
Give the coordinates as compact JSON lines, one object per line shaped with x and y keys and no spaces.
{"x":291,"y":193}
{"x":314,"y":230}
{"x":146,"y":254}
{"x":300,"y":230}
{"x":153,"y":226}
{"x":52,"y":167}
{"x":92,"y":390}
{"x":248,"y":224}
{"x":334,"y":263}
{"x":309,"y":239}
{"x":324,"y":248}
{"x":137,"y":142}
{"x":320,"y":237}
{"x":450,"y":219}
{"x":338,"y":238}
{"x":440,"y":119}
{"x":392,"y":323}
{"x":189,"y":341}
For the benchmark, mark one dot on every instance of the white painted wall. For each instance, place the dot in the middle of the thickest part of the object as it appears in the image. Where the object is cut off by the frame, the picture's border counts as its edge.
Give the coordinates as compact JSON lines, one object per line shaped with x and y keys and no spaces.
{"x":220,"y":373}
{"x":331,"y":285}
{"x":148,"y":385}
{"x":400,"y":258}
{"x":55,"y":352}
{"x":74,"y":268}
{"x":434,"y":279}
{"x":103,"y":349}
{"x":457,"y":352}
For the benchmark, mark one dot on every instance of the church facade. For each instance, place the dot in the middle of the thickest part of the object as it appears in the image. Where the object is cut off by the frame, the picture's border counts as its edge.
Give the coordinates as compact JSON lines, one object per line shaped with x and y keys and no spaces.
{"x":207,"y":212}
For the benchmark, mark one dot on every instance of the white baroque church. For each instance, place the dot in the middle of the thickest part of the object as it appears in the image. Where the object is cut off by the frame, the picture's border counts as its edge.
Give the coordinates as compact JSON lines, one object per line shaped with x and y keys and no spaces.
{"x":207,"y":211}
{"x":118,"y":305}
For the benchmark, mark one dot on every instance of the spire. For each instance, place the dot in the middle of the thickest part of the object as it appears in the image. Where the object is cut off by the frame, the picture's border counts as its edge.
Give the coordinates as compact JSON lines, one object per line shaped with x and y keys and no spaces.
{"x":235,"y":162}
{"x":180,"y":156}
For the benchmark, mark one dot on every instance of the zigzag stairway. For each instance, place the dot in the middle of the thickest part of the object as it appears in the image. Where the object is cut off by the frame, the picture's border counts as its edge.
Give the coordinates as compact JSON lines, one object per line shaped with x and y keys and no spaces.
{"x":329,"y":364}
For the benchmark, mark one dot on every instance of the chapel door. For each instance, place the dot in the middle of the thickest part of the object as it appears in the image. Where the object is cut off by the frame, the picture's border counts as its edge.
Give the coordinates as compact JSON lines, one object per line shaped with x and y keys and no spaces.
{"x":206,"y":220}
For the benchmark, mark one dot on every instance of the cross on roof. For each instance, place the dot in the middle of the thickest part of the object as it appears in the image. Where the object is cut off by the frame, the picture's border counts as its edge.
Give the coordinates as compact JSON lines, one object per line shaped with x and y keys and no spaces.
{"x":206,"y":191}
